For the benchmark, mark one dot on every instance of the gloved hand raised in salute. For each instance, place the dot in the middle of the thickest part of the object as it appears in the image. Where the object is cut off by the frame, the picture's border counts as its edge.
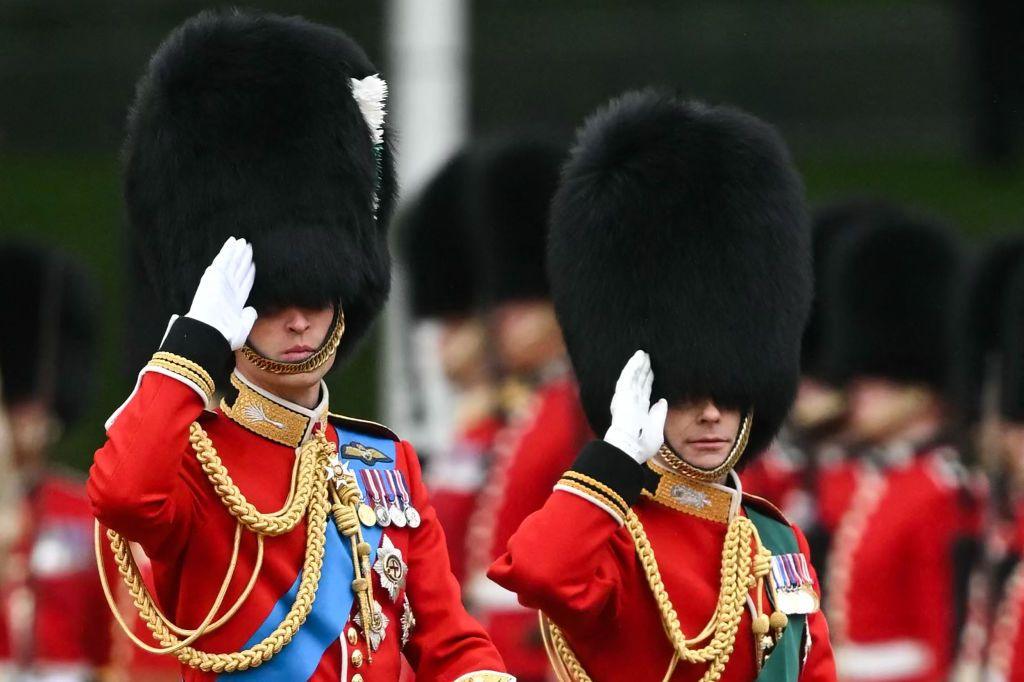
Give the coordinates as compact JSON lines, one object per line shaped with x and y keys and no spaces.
{"x":223,"y":290}
{"x":638,"y":428}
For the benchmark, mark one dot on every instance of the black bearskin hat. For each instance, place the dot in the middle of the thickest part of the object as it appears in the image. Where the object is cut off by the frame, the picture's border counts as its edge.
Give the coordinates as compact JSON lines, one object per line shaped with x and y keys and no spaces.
{"x":680,"y":229}
{"x":437,"y":247}
{"x":981,"y":304}
{"x":247,"y":125}
{"x":1011,"y":379}
{"x":892,"y":318}
{"x":49,"y":348}
{"x":829,"y":224}
{"x":512,"y":180}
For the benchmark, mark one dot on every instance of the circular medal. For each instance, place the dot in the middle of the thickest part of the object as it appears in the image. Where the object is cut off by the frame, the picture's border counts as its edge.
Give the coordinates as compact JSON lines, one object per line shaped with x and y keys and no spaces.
{"x":397,"y":517}
{"x":383,"y":518}
{"x":413,"y":517}
{"x":367,"y":516}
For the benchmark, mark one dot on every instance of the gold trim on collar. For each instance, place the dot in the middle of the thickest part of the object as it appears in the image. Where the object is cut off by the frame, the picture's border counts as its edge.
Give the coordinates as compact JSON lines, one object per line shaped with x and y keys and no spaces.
{"x":691,"y":497}
{"x":261,"y":415}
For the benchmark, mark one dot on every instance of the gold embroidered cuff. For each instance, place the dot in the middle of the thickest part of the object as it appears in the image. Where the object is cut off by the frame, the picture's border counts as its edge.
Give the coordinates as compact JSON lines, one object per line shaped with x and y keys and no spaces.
{"x":186,"y":369}
{"x":596,"y":497}
{"x":599,"y":487}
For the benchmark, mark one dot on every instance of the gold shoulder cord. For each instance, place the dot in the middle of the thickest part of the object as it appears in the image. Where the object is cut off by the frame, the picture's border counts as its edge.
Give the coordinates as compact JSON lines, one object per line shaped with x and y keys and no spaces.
{"x":740,"y":573}
{"x":308,"y":497}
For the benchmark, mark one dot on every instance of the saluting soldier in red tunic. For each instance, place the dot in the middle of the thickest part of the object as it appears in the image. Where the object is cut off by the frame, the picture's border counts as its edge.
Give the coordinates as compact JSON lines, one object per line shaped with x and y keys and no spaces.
{"x":287,"y":543}
{"x":53,"y":621}
{"x":679,"y":229}
{"x":892,"y":572}
{"x":511,"y":185}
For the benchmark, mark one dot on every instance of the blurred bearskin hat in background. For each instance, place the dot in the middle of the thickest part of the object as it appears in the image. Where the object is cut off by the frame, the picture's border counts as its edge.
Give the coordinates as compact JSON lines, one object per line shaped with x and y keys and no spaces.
{"x":49,"y":346}
{"x":894,"y":283}
{"x":512,"y":181}
{"x":437,"y":245}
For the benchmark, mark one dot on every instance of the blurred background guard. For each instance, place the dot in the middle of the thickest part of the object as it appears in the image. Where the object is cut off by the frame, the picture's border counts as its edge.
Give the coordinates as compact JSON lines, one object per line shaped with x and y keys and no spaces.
{"x":443,"y":266}
{"x":892,"y":570}
{"x":54,"y":624}
{"x":808,"y":472}
{"x":512,"y":182}
{"x":989,"y":388}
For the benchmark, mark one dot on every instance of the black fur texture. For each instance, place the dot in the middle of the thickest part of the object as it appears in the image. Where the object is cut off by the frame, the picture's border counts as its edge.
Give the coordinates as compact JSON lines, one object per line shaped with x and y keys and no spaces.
{"x":829,"y":224}
{"x":49,"y":348}
{"x":894,"y":283}
{"x":244,"y":125}
{"x":681,"y":229}
{"x":437,"y":245}
{"x":512,"y":181}
{"x":980,"y":322}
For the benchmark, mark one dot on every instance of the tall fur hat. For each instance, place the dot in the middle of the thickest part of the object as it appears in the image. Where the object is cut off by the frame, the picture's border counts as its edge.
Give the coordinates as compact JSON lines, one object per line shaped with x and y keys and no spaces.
{"x":894,"y":282}
{"x":437,"y":247}
{"x":263,"y":127}
{"x":830,"y":223}
{"x":983,"y":314}
{"x":49,"y":348}
{"x":512,"y":180}
{"x":680,"y":228}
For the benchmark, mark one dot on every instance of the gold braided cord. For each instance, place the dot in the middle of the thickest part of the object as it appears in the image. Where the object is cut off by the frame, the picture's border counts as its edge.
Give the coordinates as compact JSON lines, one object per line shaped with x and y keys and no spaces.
{"x":277,"y":523}
{"x":740,"y":572}
{"x":129,"y":571}
{"x":313,"y":362}
{"x":310,"y":485}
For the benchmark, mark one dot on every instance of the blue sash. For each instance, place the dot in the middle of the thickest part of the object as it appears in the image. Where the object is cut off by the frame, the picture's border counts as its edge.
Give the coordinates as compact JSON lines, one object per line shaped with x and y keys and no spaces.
{"x":334,"y":598}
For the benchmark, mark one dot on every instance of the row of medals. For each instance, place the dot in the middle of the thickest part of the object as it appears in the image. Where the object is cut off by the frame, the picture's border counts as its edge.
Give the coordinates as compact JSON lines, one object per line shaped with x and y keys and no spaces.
{"x":400,"y":512}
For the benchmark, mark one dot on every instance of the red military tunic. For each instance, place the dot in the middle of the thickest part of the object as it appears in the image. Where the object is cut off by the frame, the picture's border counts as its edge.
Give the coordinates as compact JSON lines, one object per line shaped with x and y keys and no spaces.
{"x":891,"y":572}
{"x":54,"y":615}
{"x":530,"y":455}
{"x":147,"y":484}
{"x":574,"y":560}
{"x":455,"y":481}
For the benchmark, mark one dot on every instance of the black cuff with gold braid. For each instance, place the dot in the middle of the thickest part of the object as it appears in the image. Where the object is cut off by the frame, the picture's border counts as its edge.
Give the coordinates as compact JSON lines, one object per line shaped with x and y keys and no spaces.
{"x":196,"y":352}
{"x":606,"y":476}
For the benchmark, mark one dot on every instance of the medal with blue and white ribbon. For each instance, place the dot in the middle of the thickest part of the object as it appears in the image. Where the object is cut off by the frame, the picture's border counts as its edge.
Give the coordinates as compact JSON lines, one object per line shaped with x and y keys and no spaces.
{"x":794,"y":586}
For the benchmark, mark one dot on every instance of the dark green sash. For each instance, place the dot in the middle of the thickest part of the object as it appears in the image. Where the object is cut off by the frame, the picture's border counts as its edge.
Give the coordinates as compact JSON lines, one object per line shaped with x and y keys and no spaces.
{"x":784,"y":663}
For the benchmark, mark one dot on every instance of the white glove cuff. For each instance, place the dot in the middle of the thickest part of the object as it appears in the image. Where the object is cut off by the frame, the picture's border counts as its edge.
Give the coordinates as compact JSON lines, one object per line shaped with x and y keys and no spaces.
{"x":625,"y":441}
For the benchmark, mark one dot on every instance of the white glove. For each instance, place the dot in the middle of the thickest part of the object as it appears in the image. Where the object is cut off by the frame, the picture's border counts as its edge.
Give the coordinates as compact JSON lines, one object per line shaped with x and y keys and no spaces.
{"x":222,"y":292}
{"x":638,"y":428}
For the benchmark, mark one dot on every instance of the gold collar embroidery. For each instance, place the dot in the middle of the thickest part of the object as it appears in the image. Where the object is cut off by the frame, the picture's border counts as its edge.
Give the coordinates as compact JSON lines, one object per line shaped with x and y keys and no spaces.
{"x":273,"y":418}
{"x":704,"y":500}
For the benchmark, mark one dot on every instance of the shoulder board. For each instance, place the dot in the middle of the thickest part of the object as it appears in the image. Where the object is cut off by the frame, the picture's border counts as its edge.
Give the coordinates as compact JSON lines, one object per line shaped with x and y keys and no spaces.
{"x":362,"y":425}
{"x":765,"y":507}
